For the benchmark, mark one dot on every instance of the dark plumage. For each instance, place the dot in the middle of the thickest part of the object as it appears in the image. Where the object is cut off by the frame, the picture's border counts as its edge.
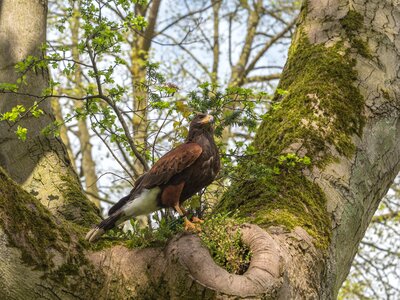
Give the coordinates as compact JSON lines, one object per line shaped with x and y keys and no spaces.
{"x":175,"y":177}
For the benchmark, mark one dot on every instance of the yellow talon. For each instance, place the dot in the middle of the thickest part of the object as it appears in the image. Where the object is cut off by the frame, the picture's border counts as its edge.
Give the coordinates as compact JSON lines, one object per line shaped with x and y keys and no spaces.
{"x":189,"y":226}
{"x":197,"y":220}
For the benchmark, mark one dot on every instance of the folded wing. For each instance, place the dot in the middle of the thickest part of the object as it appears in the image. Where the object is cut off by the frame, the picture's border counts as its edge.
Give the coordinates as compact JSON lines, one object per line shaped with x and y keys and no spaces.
{"x":172,"y":163}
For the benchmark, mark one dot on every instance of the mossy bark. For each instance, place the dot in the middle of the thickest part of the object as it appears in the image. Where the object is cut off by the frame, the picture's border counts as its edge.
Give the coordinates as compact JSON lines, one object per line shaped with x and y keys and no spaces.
{"x":340,"y":111}
{"x":40,"y":164}
{"x":337,"y":111}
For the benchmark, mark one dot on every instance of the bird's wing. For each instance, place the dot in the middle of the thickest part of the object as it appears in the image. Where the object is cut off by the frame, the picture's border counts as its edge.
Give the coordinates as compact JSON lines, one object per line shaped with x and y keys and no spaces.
{"x":171,"y":164}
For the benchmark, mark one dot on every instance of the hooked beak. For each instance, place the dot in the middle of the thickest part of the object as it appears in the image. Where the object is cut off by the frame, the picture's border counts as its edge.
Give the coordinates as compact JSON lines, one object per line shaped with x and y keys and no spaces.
{"x":208,"y":119}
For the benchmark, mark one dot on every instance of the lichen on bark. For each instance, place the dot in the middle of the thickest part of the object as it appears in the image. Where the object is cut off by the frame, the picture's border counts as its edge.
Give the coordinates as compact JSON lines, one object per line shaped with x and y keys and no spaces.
{"x":49,"y":244}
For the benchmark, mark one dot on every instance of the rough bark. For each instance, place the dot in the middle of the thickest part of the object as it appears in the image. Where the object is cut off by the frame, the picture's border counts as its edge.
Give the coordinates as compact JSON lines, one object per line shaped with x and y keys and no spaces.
{"x":341,"y":111}
{"x":40,"y":164}
{"x":357,"y":185}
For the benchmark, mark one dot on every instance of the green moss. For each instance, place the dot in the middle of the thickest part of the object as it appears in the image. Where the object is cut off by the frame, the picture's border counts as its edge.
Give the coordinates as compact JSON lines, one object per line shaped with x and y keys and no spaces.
{"x":222,"y":236}
{"x":385,"y":94}
{"x":28,"y":225}
{"x":361,"y":47}
{"x":322,"y":107}
{"x":320,"y":112}
{"x":288,"y":199}
{"x":31,"y":228}
{"x":77,"y":208}
{"x":61,"y":274}
{"x":352,"y":23}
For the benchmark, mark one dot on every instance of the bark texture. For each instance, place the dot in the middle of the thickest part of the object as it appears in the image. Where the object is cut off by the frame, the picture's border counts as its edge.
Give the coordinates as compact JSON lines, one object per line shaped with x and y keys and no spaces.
{"x":307,"y":220}
{"x":41,"y":164}
{"x":356,"y":185}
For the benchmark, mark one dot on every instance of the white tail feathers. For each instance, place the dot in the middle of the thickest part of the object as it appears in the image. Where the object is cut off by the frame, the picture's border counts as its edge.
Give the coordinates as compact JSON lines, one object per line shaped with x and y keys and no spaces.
{"x":105,"y":225}
{"x":94,"y":234}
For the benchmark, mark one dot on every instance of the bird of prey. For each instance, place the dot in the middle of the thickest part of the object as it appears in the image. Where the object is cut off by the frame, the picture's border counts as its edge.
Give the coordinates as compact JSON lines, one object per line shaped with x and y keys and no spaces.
{"x":175,"y":177}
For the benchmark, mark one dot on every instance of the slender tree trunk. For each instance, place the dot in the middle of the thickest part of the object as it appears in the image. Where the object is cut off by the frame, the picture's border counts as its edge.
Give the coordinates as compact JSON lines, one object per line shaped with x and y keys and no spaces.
{"x":308,"y":217}
{"x":237,"y":75}
{"x":139,"y":120}
{"x":216,"y":5}
{"x":55,"y":104}
{"x":139,"y":56}
{"x":88,"y":163}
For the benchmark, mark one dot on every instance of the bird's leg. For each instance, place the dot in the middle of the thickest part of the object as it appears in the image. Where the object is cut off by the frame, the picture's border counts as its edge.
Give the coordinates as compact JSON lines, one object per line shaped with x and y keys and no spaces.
{"x":194,"y":218}
{"x":183,"y":210}
{"x":189,"y":226}
{"x":197,"y":220}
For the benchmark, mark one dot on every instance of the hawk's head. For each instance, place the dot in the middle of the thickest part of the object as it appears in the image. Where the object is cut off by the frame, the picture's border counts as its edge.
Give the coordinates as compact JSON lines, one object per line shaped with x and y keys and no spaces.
{"x":202,"y":121}
{"x":201,"y":124}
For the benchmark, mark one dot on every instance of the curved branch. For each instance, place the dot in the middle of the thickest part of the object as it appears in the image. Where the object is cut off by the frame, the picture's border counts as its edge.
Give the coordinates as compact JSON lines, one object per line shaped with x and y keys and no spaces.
{"x":185,"y":262}
{"x":262,"y":277}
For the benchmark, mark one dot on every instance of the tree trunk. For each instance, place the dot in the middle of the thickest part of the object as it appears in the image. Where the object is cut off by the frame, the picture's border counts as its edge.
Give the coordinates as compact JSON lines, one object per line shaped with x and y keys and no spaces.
{"x":55,"y":104}
{"x":307,"y":217}
{"x":88,"y":163}
{"x":40,"y":164}
{"x":140,"y":48}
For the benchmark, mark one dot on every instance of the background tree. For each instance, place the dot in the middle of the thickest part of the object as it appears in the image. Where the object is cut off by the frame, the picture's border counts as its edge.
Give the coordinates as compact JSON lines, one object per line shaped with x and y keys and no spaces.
{"x":170,"y":25}
{"x":374,"y":273}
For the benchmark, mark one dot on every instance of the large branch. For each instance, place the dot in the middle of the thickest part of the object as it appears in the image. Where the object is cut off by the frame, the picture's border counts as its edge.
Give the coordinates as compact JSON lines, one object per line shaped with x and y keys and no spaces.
{"x":150,"y":29}
{"x":262,"y":78}
{"x":183,"y":268}
{"x":185,"y":262}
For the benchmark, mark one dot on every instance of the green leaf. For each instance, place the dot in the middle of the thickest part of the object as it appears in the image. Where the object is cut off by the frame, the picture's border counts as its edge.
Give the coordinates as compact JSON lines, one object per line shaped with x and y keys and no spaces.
{"x":8,"y":87}
{"x":282,"y":92}
{"x":306,"y":160}
{"x":21,"y":132}
{"x":14,"y":114}
{"x":36,"y":111}
{"x":276,"y":170}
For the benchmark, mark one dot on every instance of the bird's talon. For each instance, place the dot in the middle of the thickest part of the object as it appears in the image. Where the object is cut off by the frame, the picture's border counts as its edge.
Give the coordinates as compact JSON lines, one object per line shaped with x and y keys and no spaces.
{"x":189,"y":226}
{"x":197,"y":220}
